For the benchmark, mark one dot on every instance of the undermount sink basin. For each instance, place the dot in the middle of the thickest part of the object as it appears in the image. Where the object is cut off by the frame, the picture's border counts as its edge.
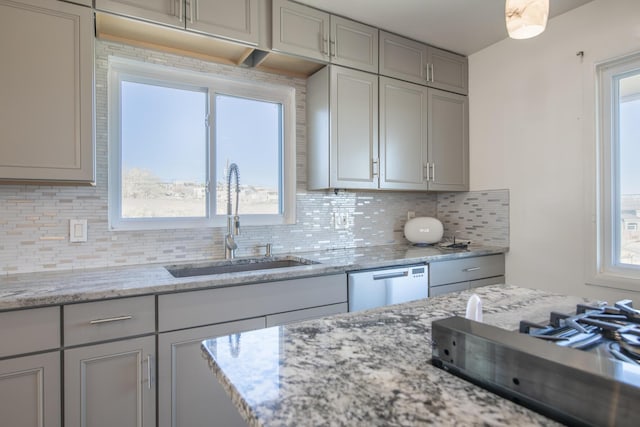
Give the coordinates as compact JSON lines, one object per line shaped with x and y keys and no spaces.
{"x":236,"y":266}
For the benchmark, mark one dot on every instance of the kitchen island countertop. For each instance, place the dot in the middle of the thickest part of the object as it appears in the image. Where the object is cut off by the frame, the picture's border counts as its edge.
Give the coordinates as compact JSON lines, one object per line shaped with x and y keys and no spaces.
{"x":372,"y":368}
{"x":62,"y":287}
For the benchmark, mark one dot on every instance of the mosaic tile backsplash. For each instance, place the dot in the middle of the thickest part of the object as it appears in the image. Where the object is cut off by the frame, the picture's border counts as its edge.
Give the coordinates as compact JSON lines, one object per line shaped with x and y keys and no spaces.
{"x":34,"y":220}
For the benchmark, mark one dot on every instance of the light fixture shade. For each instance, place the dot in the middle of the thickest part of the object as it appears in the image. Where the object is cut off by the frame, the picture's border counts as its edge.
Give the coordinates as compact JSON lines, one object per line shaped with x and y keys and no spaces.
{"x":526,"y":18}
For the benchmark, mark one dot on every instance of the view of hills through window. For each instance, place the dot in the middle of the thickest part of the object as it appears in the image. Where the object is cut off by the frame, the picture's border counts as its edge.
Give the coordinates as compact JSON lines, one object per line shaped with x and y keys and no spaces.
{"x":165,"y":152}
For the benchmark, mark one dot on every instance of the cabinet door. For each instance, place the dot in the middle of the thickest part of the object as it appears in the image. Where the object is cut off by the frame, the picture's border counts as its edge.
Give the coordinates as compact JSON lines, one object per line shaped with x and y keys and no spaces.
{"x":448,"y":129}
{"x":232,"y":19}
{"x":111,"y":384}
{"x":46,"y":102}
{"x":448,"y":71}
{"x":354,"y":129}
{"x":300,"y":30}
{"x":402,"y":58}
{"x":354,"y":45}
{"x":189,"y":393}
{"x":30,"y":391}
{"x":403,"y":135}
{"x":168,"y":12}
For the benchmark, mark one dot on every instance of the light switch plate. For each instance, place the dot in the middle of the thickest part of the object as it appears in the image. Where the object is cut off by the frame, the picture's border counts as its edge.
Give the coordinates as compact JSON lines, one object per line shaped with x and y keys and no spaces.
{"x":77,"y":230}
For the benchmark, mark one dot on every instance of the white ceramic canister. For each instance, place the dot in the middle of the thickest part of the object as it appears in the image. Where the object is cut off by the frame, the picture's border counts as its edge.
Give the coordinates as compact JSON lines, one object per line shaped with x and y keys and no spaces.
{"x":423,"y":230}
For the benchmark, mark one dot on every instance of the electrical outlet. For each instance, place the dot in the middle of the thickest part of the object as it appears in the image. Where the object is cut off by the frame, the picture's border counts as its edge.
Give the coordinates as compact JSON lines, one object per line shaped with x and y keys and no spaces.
{"x":340,"y":220}
{"x":411,"y":215}
{"x":77,"y":230}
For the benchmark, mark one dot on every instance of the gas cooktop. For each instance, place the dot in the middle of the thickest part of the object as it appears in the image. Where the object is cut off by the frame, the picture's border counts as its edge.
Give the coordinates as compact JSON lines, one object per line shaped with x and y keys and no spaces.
{"x":580,"y":369}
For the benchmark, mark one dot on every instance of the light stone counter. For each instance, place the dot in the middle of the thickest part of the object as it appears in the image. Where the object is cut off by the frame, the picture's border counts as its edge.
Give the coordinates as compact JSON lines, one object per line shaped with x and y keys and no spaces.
{"x":51,"y":288}
{"x":371,"y":368}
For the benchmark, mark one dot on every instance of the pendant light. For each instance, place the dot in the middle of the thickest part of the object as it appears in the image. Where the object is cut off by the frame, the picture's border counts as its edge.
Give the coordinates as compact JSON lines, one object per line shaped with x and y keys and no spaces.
{"x":526,"y":18}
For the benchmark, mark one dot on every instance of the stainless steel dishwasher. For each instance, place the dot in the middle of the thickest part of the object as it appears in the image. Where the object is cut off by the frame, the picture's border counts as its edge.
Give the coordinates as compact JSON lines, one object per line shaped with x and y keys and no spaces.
{"x":375,"y":288}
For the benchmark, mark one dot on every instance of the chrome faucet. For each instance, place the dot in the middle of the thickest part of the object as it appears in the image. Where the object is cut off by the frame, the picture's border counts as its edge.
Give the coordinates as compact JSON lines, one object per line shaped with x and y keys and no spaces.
{"x":233,"y":221}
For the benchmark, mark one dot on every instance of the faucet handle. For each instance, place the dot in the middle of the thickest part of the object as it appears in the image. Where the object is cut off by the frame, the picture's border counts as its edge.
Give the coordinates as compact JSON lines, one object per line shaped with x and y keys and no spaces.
{"x":236,"y":227}
{"x":267,"y":247}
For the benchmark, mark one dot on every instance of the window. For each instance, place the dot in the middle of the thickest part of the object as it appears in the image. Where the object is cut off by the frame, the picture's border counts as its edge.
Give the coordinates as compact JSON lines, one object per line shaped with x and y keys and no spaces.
{"x":619,"y":195}
{"x":172,"y":137}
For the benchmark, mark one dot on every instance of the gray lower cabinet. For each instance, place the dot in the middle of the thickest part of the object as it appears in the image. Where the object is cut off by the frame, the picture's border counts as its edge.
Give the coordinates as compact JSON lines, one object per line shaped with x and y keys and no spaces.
{"x":306,"y":314}
{"x":465,"y":273}
{"x":30,"y":384}
{"x":30,"y":391}
{"x":111,"y":384}
{"x":188,"y":392}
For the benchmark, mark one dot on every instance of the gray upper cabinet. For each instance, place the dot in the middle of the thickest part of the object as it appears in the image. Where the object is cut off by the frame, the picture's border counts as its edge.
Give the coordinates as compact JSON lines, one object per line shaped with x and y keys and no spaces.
{"x":419,"y":63}
{"x":448,"y":129}
{"x":300,"y":30}
{"x":304,"y":31}
{"x":448,"y":71}
{"x":424,"y":142}
{"x":342,"y":120}
{"x":402,"y":58}
{"x":167,"y":12}
{"x":46,"y":107}
{"x":353,"y":44}
{"x":403,"y":135}
{"x":232,"y":19}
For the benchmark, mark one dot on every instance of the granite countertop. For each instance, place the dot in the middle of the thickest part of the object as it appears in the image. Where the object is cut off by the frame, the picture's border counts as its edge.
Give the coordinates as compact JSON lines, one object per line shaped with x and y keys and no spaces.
{"x":51,"y":288}
{"x":371,"y":368}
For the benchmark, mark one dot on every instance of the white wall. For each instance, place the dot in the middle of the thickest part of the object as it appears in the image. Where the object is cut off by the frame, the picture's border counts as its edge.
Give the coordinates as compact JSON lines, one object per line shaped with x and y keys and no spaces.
{"x":532,"y":131}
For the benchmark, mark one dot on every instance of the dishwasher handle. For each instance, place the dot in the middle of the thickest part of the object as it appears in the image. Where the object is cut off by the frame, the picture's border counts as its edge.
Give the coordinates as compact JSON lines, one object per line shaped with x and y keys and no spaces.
{"x":390,"y":275}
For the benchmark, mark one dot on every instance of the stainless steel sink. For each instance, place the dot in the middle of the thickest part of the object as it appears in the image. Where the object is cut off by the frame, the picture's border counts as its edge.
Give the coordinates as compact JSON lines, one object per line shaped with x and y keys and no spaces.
{"x":236,"y":266}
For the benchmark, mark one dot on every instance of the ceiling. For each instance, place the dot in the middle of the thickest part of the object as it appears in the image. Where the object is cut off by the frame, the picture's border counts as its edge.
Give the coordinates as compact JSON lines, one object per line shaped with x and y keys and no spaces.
{"x":462,"y":26}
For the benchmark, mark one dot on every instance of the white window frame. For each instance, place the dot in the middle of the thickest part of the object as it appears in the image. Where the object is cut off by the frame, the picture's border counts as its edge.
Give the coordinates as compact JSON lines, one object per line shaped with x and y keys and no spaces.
{"x":606,"y":271}
{"x":120,"y":68}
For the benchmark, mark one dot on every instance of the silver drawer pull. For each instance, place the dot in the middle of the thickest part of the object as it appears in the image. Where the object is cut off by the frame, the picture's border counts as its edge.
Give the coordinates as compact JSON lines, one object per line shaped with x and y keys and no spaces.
{"x":110,"y":319}
{"x":390,"y":275}
{"x":149,"y":372}
{"x":471,"y":269}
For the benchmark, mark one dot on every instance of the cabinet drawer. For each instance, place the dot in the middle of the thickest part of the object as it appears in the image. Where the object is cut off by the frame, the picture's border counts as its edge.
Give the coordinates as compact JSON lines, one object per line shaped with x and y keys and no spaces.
{"x":197,"y":308}
{"x":105,"y":320}
{"x":497,"y":280}
{"x":26,"y":331}
{"x":306,"y":314}
{"x":465,"y":269}
{"x":434,"y":291}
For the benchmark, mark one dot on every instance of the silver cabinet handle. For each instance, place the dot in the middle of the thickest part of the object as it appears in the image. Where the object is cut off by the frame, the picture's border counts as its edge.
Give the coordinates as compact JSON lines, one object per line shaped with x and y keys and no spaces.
{"x":194,"y":5}
{"x":431,"y":73}
{"x":180,"y":9}
{"x":390,"y":275}
{"x":332,"y":48}
{"x":466,"y":270}
{"x":433,"y":172}
{"x":376,"y":167}
{"x":426,"y":72}
{"x":110,"y":319}
{"x":425,"y":172}
{"x":149,"y":374}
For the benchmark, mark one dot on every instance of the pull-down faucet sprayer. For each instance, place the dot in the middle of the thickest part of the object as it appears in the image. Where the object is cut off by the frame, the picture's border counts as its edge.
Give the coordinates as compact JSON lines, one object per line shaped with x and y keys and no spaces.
{"x":233,"y":221}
